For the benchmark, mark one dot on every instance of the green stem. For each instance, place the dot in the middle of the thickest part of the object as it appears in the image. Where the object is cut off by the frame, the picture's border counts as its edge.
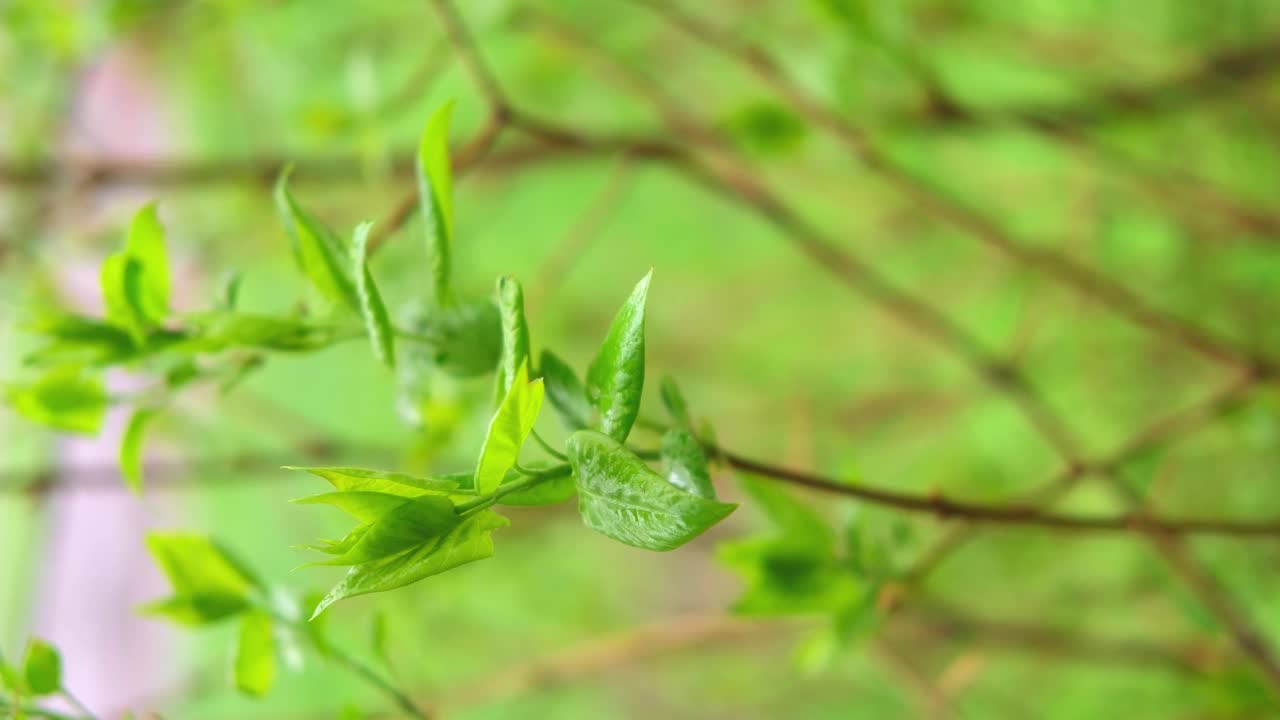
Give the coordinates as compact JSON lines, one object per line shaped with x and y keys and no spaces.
{"x":547,"y":446}
{"x":531,"y":479}
{"x":354,"y":664}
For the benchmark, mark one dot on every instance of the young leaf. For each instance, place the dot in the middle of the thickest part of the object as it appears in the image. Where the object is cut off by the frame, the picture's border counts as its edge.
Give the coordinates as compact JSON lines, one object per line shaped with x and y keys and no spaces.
{"x":64,"y":398}
{"x":465,"y":339}
{"x":135,"y":280}
{"x":208,"y":583}
{"x":131,"y":448}
{"x":219,"y":330}
{"x":616,"y":377}
{"x":376,"y":319}
{"x":784,"y":578}
{"x":673,"y":401}
{"x":469,"y":541}
{"x":315,"y":247}
{"x":619,"y":496}
{"x":347,"y":479}
{"x":515,"y":333}
{"x":796,"y":523}
{"x":255,"y":663}
{"x":363,"y":505}
{"x":565,"y":391}
{"x":409,"y":525}
{"x":508,"y":430}
{"x":435,"y":195}
{"x":42,"y":668}
{"x":76,"y":340}
{"x":685,"y":464}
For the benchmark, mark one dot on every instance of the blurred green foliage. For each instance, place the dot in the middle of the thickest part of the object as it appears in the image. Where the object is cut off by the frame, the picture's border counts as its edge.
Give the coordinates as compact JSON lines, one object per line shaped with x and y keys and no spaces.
{"x":1170,"y":198}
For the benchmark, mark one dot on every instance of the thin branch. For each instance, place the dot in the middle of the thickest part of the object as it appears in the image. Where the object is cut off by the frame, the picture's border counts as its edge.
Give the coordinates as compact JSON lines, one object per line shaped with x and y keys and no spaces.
{"x":1015,"y":515}
{"x":1217,"y":75}
{"x":944,"y":206}
{"x":600,"y":654}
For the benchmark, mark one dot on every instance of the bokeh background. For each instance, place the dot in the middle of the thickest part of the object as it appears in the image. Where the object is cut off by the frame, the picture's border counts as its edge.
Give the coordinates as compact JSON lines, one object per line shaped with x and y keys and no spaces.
{"x":1136,"y":142}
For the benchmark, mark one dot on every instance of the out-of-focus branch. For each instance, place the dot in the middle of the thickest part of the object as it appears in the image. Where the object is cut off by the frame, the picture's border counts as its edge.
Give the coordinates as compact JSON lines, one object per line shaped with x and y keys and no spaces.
{"x":1214,"y":76}
{"x":1061,"y":268}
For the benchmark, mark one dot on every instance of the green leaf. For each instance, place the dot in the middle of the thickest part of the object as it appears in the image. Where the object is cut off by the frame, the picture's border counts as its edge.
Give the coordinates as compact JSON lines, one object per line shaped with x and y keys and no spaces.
{"x":376,"y":319}
{"x":131,"y":448}
{"x":11,"y":679}
{"x":209,"y":584}
{"x":685,"y":464}
{"x":316,"y":248}
{"x":615,"y":380}
{"x":76,"y":340}
{"x":135,"y":280}
{"x":406,"y":526}
{"x":465,"y":340}
{"x":674,"y":402}
{"x":566,"y":392}
{"x":64,"y":398}
{"x":363,"y":505}
{"x":219,"y":330}
{"x":255,"y":663}
{"x":795,"y":522}
{"x":348,"y":479}
{"x":469,"y":541}
{"x":435,"y":195}
{"x":619,"y":496}
{"x":515,"y":333}
{"x":508,"y":430}
{"x":784,"y":578}
{"x":42,"y":668}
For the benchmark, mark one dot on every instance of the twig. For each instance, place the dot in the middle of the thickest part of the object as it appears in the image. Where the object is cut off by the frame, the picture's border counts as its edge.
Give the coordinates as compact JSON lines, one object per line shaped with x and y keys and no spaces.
{"x":1055,"y":265}
{"x":1023,"y":515}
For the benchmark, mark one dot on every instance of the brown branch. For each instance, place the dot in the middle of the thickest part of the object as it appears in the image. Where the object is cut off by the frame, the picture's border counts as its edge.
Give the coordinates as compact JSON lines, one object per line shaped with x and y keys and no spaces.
{"x":1215,"y":76}
{"x":1053,"y":264}
{"x":1016,"y":515}
{"x":605,"y":653}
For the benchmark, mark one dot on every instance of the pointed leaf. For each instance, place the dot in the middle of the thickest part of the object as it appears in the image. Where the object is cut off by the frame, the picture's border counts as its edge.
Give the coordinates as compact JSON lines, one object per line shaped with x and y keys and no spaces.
{"x":208,"y":582}
{"x":795,"y":521}
{"x":565,"y":391}
{"x":376,"y":318}
{"x":409,"y":525}
{"x":619,"y":496}
{"x":673,"y":400}
{"x":131,"y":448}
{"x":316,"y":248}
{"x":135,"y":280}
{"x":465,"y":339}
{"x":685,"y":464}
{"x":363,"y":505}
{"x":508,"y":429}
{"x":615,"y":380}
{"x":435,"y":195}
{"x":469,"y":541}
{"x":352,"y":479}
{"x":64,"y":398}
{"x":515,"y":333}
{"x":255,"y":663}
{"x":42,"y":668}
